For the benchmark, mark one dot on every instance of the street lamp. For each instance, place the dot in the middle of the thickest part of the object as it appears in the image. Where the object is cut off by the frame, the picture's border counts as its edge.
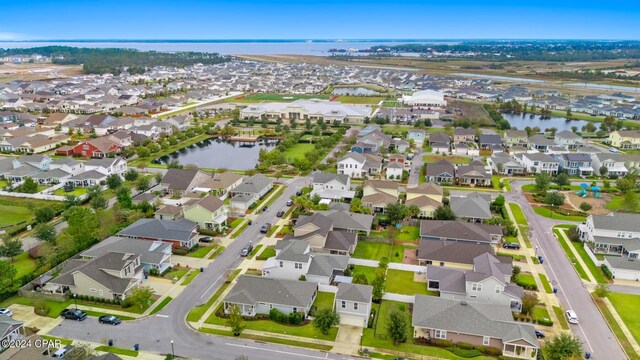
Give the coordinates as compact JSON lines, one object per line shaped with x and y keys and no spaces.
{"x":173,"y":355}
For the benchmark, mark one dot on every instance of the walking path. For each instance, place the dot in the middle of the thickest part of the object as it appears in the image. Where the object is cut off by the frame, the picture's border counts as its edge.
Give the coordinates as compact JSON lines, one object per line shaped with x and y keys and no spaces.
{"x":576,"y":256}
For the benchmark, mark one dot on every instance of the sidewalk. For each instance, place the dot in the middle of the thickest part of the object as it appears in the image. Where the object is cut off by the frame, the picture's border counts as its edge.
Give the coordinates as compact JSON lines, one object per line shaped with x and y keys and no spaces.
{"x":622,"y":325}
{"x":576,"y":256}
{"x":274,"y":335}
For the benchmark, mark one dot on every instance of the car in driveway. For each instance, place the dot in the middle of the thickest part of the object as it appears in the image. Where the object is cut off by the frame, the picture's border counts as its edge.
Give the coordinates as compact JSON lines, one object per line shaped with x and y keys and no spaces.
{"x":109,"y":320}
{"x":73,"y":314}
{"x":246,"y":250}
{"x":265,"y":228}
{"x":539,"y":334}
{"x":206,"y":239}
{"x":7,"y":312}
{"x":571,"y":316}
{"x":511,"y":245}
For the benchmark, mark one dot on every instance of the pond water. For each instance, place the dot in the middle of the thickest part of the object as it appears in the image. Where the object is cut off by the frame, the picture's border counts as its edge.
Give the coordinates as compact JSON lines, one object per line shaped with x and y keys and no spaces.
{"x":520,"y":122}
{"x":219,"y":153}
{"x":358,"y":91}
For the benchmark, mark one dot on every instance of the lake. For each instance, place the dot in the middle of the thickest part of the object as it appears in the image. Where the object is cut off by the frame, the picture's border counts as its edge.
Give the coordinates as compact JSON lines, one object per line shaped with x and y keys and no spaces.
{"x":359,"y":91}
{"x":220,"y":154}
{"x":520,"y":122}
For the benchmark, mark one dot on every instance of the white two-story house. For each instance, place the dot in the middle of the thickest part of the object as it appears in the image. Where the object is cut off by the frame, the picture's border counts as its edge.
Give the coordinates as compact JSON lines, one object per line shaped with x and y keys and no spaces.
{"x":353,"y":303}
{"x":614,"y":163}
{"x":537,"y":163}
{"x":334,"y":187}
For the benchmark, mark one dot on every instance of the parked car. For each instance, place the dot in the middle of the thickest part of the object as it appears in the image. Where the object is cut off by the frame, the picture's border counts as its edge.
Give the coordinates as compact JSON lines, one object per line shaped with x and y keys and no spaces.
{"x":613,"y":150}
{"x":572,"y":317}
{"x":109,"y":319}
{"x":73,"y":314}
{"x":59,"y":354}
{"x":539,"y":334}
{"x":7,"y":312}
{"x":511,"y":245}
{"x":280,"y":213}
{"x":264,"y":209}
{"x":299,"y":192}
{"x":246,"y":251}
{"x":206,"y":239}
{"x":265,"y":228}
{"x":289,"y":202}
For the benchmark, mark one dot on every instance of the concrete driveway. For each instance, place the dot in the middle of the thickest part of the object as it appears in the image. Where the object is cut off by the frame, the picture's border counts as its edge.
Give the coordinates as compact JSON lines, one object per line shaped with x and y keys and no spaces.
{"x":26,"y":314}
{"x":348,"y":340}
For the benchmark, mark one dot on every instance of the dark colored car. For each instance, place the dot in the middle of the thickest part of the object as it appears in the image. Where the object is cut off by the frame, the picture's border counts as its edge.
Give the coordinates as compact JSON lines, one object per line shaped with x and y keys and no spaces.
{"x":289,"y":202}
{"x":246,"y":251}
{"x":206,"y":239}
{"x":511,"y":245}
{"x":109,"y":319}
{"x":265,"y":208}
{"x":265,"y":228}
{"x":539,"y":334}
{"x":299,"y":192}
{"x":280,"y":213}
{"x":73,"y":314}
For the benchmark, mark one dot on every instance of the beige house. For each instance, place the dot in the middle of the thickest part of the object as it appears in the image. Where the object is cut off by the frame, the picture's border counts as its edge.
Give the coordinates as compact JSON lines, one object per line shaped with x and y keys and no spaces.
{"x":209,"y":213}
{"x":377,"y":194}
{"x":625,"y":139}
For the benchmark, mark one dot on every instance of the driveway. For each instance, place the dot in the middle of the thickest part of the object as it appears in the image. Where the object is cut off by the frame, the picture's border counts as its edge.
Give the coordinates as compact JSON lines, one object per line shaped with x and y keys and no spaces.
{"x":348,"y":339}
{"x":416,"y":166}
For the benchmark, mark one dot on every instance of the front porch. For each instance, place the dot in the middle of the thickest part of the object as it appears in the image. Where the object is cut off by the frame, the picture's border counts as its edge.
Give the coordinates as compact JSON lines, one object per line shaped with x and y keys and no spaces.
{"x":519,"y":350}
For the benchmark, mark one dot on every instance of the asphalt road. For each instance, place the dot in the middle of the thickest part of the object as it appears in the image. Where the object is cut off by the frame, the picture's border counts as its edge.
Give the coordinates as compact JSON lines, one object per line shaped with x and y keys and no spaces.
{"x":416,"y":167}
{"x":593,"y":330}
{"x":155,"y":333}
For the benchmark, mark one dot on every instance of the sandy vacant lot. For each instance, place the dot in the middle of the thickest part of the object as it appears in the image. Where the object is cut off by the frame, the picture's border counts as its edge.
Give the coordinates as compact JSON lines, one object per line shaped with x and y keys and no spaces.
{"x":38,"y":71}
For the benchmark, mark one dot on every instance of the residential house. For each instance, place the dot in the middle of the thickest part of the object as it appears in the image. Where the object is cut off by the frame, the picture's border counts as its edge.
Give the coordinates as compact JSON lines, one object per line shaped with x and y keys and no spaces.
{"x":368,"y":130}
{"x":97,"y":148}
{"x":504,"y":164}
{"x":442,"y":172}
{"x":359,"y":166}
{"x":417,"y":135}
{"x":614,"y":163}
{"x":473,"y":174}
{"x":625,"y":139}
{"x":107,"y":166}
{"x":488,"y":282}
{"x":176,"y":232}
{"x":451,"y":254}
{"x":618,"y":235}
{"x":473,"y":323}
{"x":153,"y":254}
{"x":334,"y":187}
{"x":377,"y":194}
{"x":568,"y":140}
{"x":462,"y":135}
{"x":455,"y":230}
{"x":110,"y":276}
{"x":250,"y":191}
{"x":394,"y":171}
{"x":515,"y":137}
{"x":208,"y":212}
{"x":178,"y":182}
{"x":319,"y":231}
{"x":536,"y":163}
{"x":427,"y":197}
{"x":346,"y":220}
{"x":9,"y":330}
{"x":169,"y":212}
{"x":632,"y":161}
{"x":474,"y":207}
{"x":439,"y":142}
{"x":255,"y":295}
{"x":541,"y":143}
{"x":295,"y":260}
{"x":488,"y":141}
{"x":353,"y":303}
{"x":223,"y":183}
{"x":576,"y":164}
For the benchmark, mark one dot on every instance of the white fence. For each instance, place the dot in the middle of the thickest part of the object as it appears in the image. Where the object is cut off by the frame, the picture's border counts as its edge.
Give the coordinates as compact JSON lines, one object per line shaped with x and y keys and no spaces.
{"x":399,"y":297}
{"x":33,"y":196}
{"x":327,"y":288}
{"x":392,"y":265}
{"x":593,"y":257}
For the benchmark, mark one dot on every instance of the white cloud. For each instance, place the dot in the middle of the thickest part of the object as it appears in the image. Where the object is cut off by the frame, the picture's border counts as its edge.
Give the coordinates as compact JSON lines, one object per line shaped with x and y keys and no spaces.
{"x":11,"y":36}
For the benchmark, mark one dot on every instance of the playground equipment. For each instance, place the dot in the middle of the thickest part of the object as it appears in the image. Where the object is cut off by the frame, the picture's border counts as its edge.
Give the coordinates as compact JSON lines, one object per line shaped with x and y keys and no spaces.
{"x":596,"y":192}
{"x":583,"y":192}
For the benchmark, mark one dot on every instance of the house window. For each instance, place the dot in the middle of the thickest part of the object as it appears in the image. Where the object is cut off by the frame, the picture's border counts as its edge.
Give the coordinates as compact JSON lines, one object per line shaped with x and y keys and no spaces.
{"x":270,"y":306}
{"x":101,"y":293}
{"x":344,"y":304}
{"x":485,"y":340}
{"x":476,"y":287}
{"x":498,"y":289}
{"x":440,"y":334}
{"x":295,"y":309}
{"x":355,"y":306}
{"x":281,"y":264}
{"x":93,"y":290}
{"x":298,"y":266}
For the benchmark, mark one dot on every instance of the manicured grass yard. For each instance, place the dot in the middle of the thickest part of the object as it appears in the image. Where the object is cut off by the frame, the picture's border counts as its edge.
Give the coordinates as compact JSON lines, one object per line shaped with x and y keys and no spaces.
{"x":549,"y":213}
{"x":190,"y":278}
{"x":302,"y":344}
{"x":324,"y":300}
{"x":523,"y":224}
{"x":617,"y":330}
{"x":370,"y":100}
{"x":117,"y":350}
{"x":595,"y":271}
{"x":562,"y":319}
{"x":200,"y":252}
{"x":266,"y":253}
{"x":12,"y":215}
{"x":24,"y":264}
{"x":279,"y":97}
{"x":297,"y":151}
{"x":76,"y":192}
{"x":546,"y":284}
{"x":401,"y":282}
{"x":567,"y":250}
{"x":371,"y":250}
{"x":616,"y":203}
{"x":176,"y":273}
{"x":540,"y":313}
{"x":451,"y":158}
{"x":526,"y":280}
{"x":369,"y":272}
{"x":626,"y":306}
{"x":161,"y":306}
{"x":409,"y":233}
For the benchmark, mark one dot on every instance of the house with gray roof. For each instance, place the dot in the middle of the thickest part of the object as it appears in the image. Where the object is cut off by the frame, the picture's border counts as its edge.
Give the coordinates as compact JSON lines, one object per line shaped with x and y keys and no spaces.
{"x":487,"y":141}
{"x":451,"y":254}
{"x":322,"y":235}
{"x":353,"y":303}
{"x":504,"y":164}
{"x":474,"y":207}
{"x":255,"y":295}
{"x":334,"y":187}
{"x":176,"y":232}
{"x":456,"y":230}
{"x":576,"y":164}
{"x":614,"y":163}
{"x":487,"y":282}
{"x":477,"y":324}
{"x":250,"y":191}
{"x":295,"y":259}
{"x":536,"y":163}
{"x":9,"y":330}
{"x":177,"y":182}
{"x":111,"y":276}
{"x":442,"y":172}
{"x":473,"y":174}
{"x":568,"y":139}
{"x":541,"y":142}
{"x":153,"y":254}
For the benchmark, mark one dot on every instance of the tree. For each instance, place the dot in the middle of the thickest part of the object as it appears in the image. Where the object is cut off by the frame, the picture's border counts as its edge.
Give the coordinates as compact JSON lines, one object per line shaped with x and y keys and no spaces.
{"x":529,"y":301}
{"x":397,"y":325}
{"x":29,"y":186}
{"x":360,"y":279}
{"x":114,"y":181}
{"x":142,"y":183}
{"x":562,"y":347}
{"x":630,"y":201}
{"x":45,"y":232}
{"x":131,"y":175}
{"x":602,"y":290}
{"x":44,"y":214}
{"x":82,"y":225}
{"x":395,"y":212}
{"x":562,"y":179}
{"x":10,"y":247}
{"x":542,"y":182}
{"x":9,"y":273}
{"x":603,"y":170}
{"x":325,"y":319}
{"x":235,"y":321}
{"x":158,"y":178}
{"x":554,"y":199}
{"x":444,"y":212}
{"x":585,"y":206}
{"x":124,"y":197}
{"x":140,"y":296}
{"x":80,"y":352}
{"x":99,"y":202}
{"x":627,"y":183}
{"x":71,"y":200}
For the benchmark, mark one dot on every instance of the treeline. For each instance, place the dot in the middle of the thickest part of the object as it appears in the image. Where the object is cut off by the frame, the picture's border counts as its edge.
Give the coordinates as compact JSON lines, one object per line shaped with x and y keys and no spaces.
{"x":115,"y":61}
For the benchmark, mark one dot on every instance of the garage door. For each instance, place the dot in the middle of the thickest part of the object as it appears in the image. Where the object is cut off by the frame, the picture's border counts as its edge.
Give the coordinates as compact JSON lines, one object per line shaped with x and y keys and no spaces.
{"x":624,"y":274}
{"x":352,"y":320}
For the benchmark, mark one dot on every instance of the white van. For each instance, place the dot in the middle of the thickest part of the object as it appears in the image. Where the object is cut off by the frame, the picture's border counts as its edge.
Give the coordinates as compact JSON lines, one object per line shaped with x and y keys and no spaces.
{"x":59,"y":354}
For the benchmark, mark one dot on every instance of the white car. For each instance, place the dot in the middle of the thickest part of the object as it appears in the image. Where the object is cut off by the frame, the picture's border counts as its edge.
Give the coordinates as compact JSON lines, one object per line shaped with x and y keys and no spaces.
{"x":7,"y":312}
{"x":572,"y":317}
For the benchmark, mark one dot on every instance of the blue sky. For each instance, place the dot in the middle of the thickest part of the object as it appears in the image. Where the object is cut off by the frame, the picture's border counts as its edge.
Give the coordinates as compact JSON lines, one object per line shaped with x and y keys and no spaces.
{"x":314,"y":19}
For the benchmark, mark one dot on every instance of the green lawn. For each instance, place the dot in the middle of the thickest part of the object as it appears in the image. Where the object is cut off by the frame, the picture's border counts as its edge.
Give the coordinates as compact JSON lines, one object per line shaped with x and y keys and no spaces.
{"x":369,"y":272}
{"x":368,"y":100}
{"x":397,"y":253}
{"x":190,"y":278}
{"x":626,"y":306}
{"x":372,"y":250}
{"x":540,"y":313}
{"x":324,"y":300}
{"x":562,"y":319}
{"x":302,"y":344}
{"x":176,"y":273}
{"x":567,"y":250}
{"x":100,"y":313}
{"x":253,"y":252}
{"x":162,"y":304}
{"x":200,"y":252}
{"x":266,"y":253}
{"x":526,"y":280}
{"x":549,"y":213}
{"x":297,"y":151}
{"x":617,"y":330}
{"x":521,"y":220}
{"x":239,"y":230}
{"x":545,"y":283}
{"x":24,"y":264}
{"x":409,"y":233}
{"x":276,"y":97}
{"x":276,"y":191}
{"x":76,"y":192}
{"x":451,"y":158}
{"x":217,"y":252}
{"x":401,"y":282}
{"x":117,"y":350}
{"x":595,"y":270}
{"x":235,"y":223}
{"x":197,"y":312}
{"x":57,"y":306}
{"x":616,"y":203}
{"x":12,"y":215}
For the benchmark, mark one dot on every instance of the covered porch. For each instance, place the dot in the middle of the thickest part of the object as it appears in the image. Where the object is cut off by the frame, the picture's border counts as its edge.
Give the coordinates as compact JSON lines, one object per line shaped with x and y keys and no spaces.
{"x":520,"y":349}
